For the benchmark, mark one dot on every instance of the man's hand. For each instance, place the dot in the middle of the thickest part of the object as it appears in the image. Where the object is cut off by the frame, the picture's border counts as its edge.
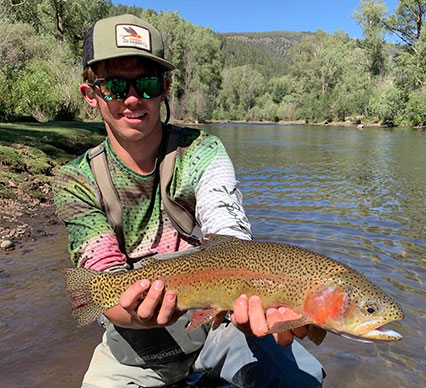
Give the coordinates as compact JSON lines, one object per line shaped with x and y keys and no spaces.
{"x":249,"y":317}
{"x":157,"y":309}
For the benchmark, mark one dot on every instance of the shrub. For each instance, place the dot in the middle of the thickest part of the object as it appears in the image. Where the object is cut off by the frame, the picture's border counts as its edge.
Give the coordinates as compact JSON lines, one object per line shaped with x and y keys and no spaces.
{"x":385,"y":103}
{"x":415,"y":110}
{"x":35,"y":91}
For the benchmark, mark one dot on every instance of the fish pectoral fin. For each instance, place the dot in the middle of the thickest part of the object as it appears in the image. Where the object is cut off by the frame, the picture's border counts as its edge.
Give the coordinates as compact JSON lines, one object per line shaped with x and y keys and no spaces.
{"x":316,"y":334}
{"x":201,"y":317}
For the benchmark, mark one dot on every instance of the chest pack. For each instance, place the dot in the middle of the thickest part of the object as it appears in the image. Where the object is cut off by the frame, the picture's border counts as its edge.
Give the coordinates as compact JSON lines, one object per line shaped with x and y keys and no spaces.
{"x":180,"y":217}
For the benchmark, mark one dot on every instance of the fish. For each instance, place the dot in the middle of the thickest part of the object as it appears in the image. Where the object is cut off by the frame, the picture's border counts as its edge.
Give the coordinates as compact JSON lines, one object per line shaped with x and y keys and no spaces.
{"x":320,"y":292}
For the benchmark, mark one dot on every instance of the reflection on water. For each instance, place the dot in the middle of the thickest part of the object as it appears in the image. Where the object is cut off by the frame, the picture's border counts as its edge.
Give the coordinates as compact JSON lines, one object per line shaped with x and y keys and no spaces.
{"x":357,"y":196}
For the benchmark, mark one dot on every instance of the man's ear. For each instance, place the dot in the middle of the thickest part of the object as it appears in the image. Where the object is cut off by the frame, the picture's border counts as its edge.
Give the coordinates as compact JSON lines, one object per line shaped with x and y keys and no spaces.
{"x":89,"y":95}
{"x":166,"y":86}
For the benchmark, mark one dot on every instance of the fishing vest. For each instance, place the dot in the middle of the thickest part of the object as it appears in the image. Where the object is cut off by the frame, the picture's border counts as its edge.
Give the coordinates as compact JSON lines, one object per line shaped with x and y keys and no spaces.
{"x":148,"y":347}
{"x":181,"y":218}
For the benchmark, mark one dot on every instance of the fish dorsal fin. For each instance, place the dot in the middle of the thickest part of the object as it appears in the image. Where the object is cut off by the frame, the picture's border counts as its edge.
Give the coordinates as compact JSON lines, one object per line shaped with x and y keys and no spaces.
{"x":219,"y":237}
{"x":173,"y":255}
{"x":211,"y":240}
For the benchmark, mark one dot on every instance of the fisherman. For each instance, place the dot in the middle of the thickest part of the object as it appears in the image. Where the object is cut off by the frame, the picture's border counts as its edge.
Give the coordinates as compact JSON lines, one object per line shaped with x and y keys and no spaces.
{"x":144,"y":345}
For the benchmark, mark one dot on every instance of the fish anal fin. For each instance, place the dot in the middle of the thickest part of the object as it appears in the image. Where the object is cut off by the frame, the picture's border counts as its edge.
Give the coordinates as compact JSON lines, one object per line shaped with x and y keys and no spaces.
{"x":201,"y":317}
{"x":326,"y":303}
{"x":316,"y":334}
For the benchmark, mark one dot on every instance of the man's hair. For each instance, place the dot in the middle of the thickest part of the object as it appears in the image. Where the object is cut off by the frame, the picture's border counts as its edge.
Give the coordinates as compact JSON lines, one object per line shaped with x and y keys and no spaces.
{"x":88,"y":75}
{"x":90,"y":72}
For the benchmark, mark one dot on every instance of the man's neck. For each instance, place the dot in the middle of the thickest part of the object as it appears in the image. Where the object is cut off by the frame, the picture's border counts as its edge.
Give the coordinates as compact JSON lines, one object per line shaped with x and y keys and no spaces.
{"x":139,"y":155}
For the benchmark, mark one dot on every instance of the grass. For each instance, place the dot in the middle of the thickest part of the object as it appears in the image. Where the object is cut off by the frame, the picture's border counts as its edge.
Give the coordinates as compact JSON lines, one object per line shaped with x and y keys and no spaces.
{"x":33,"y":150}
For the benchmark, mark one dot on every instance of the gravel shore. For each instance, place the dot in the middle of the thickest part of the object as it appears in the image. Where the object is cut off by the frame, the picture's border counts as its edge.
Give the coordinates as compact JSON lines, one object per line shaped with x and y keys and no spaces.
{"x":26,"y":218}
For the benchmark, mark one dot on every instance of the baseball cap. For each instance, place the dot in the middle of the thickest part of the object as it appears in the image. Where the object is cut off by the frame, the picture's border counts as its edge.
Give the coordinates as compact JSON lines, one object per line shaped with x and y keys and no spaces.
{"x":124,"y":35}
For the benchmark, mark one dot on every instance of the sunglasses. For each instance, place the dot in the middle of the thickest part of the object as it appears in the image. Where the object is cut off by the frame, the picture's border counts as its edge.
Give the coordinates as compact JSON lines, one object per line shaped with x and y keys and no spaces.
{"x":114,"y":89}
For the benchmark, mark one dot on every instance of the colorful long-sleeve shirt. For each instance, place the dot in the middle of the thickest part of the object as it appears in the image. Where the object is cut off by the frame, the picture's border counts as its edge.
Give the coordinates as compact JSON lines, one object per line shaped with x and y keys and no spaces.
{"x":203,"y":182}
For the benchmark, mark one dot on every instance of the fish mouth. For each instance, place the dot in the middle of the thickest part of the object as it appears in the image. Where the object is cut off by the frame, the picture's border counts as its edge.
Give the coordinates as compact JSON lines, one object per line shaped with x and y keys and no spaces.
{"x":374,"y":331}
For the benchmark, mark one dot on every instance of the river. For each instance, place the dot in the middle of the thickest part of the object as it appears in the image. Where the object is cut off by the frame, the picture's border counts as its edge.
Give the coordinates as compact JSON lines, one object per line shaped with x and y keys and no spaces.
{"x":358,"y":196}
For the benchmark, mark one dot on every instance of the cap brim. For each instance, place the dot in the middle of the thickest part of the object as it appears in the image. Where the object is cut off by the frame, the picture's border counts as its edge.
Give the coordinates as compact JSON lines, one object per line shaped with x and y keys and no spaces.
{"x":165,"y":65}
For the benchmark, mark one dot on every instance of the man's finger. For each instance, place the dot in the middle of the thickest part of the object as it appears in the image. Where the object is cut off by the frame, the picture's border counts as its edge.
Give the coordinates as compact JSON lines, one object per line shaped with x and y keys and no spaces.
{"x":257,"y":318}
{"x":273,"y":316}
{"x":153,"y":298}
{"x":240,"y":315}
{"x":130,"y":299}
{"x":283,"y":338}
{"x":301,"y":332}
{"x":167,"y":308}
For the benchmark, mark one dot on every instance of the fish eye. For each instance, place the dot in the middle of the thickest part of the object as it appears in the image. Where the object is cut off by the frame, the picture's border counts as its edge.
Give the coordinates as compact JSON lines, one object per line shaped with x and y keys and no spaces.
{"x":370,"y":307}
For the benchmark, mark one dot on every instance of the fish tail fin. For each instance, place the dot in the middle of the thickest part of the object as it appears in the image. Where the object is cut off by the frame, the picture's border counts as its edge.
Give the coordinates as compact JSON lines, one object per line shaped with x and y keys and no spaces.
{"x":85,"y":309}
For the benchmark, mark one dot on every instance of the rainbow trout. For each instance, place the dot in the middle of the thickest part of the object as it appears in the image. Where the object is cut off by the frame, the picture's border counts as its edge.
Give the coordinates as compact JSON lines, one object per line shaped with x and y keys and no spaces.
{"x":318,"y":290}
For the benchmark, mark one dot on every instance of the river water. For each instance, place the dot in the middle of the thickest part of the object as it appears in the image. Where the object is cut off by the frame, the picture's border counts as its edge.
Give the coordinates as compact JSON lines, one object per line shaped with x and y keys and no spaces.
{"x":358,"y":196}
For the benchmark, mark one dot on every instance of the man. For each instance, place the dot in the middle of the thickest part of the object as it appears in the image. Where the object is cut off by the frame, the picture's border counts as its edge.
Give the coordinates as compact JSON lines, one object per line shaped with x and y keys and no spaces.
{"x":145,"y":344}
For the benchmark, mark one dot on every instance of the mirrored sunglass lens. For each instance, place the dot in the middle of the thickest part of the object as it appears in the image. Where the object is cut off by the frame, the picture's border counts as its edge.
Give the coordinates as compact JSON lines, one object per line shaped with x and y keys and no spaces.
{"x":149,"y":87}
{"x":114,"y":89}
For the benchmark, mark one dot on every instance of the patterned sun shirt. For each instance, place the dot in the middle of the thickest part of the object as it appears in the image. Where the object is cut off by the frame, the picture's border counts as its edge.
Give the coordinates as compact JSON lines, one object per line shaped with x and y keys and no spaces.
{"x":203,"y":182}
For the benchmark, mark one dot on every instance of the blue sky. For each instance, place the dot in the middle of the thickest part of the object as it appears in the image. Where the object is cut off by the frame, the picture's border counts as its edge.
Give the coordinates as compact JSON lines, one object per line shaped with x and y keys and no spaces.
{"x":257,"y":16}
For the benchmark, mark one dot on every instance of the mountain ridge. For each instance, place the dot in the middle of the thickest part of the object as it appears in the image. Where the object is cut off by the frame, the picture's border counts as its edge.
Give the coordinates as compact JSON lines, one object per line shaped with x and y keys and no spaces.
{"x":276,"y":43}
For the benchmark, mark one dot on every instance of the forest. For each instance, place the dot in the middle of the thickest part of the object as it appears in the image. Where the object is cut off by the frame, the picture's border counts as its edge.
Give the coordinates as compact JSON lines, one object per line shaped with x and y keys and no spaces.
{"x":271,"y":76}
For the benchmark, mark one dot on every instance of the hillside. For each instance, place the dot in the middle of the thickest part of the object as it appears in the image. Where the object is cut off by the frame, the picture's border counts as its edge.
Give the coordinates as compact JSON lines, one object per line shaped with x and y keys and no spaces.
{"x":275,"y":43}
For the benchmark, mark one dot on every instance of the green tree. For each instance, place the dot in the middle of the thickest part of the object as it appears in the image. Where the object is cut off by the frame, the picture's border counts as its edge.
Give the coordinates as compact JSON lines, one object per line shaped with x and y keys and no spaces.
{"x":318,"y":63}
{"x":369,"y":18}
{"x":411,"y":67}
{"x":66,"y":20}
{"x":196,"y":53}
{"x":407,"y":22}
{"x":415,"y":109}
{"x":281,"y":87}
{"x":203,"y":72}
{"x":352,"y":91}
{"x":20,"y":43}
{"x":175,"y":32}
{"x":386,"y":103}
{"x":241,"y":86}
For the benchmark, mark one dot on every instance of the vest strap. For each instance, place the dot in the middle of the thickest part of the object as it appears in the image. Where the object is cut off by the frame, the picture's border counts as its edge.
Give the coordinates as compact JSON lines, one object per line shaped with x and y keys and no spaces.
{"x":181,"y":218}
{"x":112,"y":204}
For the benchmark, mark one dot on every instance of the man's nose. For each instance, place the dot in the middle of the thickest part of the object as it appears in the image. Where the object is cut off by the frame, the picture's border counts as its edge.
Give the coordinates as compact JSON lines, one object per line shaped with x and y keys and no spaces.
{"x":132,"y":95}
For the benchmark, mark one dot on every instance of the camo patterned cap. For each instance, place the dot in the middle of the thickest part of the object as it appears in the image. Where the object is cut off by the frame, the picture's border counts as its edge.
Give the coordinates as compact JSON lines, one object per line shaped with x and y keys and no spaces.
{"x":124,"y":35}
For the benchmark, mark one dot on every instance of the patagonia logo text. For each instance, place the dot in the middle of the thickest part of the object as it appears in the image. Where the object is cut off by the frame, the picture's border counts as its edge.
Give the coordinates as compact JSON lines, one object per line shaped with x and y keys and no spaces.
{"x":129,"y":35}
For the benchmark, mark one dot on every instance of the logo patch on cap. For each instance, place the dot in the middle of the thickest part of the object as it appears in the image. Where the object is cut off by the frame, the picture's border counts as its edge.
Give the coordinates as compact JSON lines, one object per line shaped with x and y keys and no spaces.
{"x":129,"y":35}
